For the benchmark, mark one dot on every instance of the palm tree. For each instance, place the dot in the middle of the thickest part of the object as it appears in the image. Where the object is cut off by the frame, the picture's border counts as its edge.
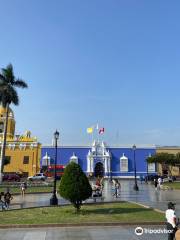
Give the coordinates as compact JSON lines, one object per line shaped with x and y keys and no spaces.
{"x":8,"y":95}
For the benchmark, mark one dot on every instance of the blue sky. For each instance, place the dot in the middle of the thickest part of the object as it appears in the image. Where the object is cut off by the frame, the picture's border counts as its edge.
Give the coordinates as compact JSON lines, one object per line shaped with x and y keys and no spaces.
{"x":116,"y":63}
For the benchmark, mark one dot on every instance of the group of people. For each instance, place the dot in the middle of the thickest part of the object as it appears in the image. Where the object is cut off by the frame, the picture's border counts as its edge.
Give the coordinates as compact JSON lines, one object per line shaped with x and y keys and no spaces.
{"x":158,"y":183}
{"x":5,"y":199}
{"x":98,"y":187}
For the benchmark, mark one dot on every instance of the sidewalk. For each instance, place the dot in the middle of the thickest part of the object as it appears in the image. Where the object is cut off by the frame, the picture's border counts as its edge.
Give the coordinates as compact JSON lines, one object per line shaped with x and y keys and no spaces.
{"x":80,"y":233}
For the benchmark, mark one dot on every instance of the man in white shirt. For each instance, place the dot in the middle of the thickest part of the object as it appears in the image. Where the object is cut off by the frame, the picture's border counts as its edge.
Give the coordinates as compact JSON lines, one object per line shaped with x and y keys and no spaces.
{"x":171,"y":220}
{"x":160,"y":182}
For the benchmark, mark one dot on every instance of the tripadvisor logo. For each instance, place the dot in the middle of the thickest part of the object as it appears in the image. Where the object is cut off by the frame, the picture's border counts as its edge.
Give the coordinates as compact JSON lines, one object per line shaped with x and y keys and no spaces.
{"x":139,"y":231}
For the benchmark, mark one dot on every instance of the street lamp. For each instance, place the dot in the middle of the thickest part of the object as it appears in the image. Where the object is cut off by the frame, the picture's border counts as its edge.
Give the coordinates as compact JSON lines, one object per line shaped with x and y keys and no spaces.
{"x":54,"y":199}
{"x":148,"y":166}
{"x":136,"y":188}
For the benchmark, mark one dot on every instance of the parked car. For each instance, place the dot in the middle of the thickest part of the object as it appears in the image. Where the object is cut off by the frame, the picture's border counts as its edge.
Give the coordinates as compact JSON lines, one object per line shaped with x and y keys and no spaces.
{"x":11,"y":177}
{"x":169,"y":179}
{"x":38,"y":176}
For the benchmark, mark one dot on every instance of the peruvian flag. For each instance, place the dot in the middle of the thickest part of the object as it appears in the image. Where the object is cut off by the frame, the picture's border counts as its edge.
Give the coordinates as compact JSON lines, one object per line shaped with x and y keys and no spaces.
{"x":101,"y":130}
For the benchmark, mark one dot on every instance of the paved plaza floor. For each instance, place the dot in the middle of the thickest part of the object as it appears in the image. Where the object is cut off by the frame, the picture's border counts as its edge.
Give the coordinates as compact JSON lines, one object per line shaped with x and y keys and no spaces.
{"x":79,"y":233}
{"x":146,"y":195}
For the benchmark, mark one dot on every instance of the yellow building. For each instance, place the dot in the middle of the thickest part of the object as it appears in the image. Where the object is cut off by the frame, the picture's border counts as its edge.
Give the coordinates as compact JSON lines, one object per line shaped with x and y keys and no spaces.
{"x":163,"y":169}
{"x":23,"y":151}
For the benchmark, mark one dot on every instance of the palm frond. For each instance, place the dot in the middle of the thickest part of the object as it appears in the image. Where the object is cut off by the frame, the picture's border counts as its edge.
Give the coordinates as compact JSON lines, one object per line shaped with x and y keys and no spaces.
{"x":8,"y":84}
{"x":13,"y":96}
{"x":8,"y":96}
{"x":2,"y":78}
{"x":20,"y":83}
{"x":8,"y":73}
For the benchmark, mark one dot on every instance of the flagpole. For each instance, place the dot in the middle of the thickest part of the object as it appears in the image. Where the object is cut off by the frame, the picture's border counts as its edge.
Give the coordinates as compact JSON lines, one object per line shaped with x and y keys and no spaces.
{"x":97,"y":128}
{"x":92,"y":137}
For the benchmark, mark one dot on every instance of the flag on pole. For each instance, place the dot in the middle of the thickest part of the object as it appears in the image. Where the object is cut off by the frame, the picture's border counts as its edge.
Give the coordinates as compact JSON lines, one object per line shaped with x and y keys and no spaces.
{"x":90,"y":130}
{"x":101,"y":130}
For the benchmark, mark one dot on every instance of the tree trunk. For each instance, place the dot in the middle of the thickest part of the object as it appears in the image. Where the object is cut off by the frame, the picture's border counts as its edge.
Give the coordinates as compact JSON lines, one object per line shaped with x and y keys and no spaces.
{"x":3,"y":148}
{"x":170,"y":170}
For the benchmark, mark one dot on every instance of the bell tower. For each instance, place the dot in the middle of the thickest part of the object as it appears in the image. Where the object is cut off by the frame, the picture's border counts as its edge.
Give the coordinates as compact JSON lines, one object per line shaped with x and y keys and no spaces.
{"x":11,"y":122}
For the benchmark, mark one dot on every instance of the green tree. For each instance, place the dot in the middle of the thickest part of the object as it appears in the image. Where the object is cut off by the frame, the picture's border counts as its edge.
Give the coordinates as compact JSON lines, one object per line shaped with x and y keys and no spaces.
{"x":165,"y":159}
{"x":8,"y":95}
{"x":74,"y":185}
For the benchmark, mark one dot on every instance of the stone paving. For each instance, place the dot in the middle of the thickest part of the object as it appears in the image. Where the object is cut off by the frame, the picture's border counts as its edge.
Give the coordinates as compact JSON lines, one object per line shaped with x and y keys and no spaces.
{"x":146,"y":195}
{"x":79,"y":233}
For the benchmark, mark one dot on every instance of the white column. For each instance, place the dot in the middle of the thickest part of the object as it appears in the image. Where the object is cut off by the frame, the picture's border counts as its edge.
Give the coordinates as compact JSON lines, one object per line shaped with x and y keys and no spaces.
{"x":88,"y":164}
{"x":92,"y":163}
{"x":106,"y":165}
{"x":109,"y":164}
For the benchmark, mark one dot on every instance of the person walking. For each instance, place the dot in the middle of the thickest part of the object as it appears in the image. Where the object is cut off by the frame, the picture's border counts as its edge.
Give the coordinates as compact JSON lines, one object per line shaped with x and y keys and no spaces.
{"x":117,"y":188}
{"x":102,"y":183}
{"x":3,"y":207}
{"x":160,"y":181}
{"x":171,"y":220}
{"x":23,"y":187}
{"x":155,"y":183}
{"x":7,"y":199}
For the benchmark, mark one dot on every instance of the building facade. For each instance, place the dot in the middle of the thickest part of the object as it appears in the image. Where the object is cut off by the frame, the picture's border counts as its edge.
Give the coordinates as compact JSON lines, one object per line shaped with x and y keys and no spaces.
{"x":102,"y":160}
{"x":22,"y":151}
{"x":163,"y":169}
{"x":26,"y":156}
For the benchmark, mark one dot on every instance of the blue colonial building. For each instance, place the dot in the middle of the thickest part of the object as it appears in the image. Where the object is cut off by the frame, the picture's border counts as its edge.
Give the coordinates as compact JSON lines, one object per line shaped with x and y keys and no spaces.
{"x":102,"y":160}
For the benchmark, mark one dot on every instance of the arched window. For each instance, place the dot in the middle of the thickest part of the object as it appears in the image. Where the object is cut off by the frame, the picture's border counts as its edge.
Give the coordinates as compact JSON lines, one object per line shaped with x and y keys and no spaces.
{"x":74,"y":158}
{"x":123,"y":164}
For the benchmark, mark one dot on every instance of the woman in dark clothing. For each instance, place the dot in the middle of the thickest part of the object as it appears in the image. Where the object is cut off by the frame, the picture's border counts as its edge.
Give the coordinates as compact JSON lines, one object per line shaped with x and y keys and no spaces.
{"x":155,"y":183}
{"x":7,"y":199}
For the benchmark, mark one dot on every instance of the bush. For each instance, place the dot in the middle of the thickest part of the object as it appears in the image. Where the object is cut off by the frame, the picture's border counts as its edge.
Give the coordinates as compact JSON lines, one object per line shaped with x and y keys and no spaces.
{"x":74,"y":185}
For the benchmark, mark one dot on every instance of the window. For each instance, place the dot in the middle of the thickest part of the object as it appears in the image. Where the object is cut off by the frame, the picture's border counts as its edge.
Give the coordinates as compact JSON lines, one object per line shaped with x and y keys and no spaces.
{"x":26,"y":160}
{"x":7,"y":160}
{"x":124,"y":165}
{"x":151,"y":167}
{"x":1,"y":127}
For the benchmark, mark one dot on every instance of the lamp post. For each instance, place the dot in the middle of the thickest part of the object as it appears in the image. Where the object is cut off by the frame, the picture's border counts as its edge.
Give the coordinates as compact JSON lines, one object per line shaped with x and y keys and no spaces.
{"x":54,"y":199}
{"x":147,"y":173}
{"x":136,"y":188}
{"x":148,"y":166}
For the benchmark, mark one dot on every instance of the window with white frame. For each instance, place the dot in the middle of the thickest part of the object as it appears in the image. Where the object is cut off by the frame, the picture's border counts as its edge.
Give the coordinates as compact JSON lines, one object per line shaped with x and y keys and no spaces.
{"x":124,"y":164}
{"x":151,"y":167}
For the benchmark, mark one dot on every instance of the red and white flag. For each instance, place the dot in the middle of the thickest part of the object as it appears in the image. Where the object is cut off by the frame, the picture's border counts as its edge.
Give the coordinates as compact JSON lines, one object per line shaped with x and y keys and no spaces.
{"x":101,"y":130}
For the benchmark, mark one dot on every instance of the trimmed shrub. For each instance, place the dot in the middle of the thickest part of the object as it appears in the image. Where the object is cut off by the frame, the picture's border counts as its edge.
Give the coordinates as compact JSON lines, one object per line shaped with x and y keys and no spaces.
{"x":74,"y":185}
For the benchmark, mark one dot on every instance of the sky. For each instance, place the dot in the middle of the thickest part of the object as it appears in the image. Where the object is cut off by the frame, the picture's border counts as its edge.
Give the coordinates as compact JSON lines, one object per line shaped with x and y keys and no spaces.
{"x":111,"y":62}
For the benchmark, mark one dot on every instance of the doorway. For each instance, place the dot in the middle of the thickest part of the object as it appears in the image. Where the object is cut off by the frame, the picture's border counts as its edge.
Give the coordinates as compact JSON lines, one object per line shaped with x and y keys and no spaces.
{"x":99,"y":170}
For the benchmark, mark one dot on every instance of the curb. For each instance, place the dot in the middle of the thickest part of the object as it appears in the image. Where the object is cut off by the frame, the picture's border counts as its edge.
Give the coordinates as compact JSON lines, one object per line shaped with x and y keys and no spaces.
{"x":82,"y":224}
{"x":27,"y":193}
{"x":148,"y":207}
